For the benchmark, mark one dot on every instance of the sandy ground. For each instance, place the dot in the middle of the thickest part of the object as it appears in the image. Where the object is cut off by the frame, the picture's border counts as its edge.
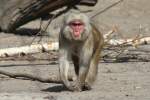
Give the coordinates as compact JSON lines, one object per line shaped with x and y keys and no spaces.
{"x":127,"y":81}
{"x":115,"y":81}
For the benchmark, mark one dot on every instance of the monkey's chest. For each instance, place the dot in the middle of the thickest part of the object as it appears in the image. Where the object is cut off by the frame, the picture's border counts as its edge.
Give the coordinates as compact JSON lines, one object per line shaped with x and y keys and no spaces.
{"x":75,"y":50}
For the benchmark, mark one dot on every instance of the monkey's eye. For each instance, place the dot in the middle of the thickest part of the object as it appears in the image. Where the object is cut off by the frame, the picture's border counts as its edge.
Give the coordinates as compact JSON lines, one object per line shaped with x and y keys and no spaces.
{"x":76,"y":23}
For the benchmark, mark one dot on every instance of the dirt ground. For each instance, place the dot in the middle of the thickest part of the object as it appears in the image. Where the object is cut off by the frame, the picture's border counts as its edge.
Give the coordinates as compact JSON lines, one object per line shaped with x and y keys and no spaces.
{"x":115,"y":81}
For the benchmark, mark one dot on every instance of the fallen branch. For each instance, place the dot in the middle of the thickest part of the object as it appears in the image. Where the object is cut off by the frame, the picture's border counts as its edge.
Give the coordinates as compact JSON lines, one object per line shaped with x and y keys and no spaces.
{"x":54,"y":79}
{"x":45,"y":47}
{"x":24,"y":50}
{"x":126,"y":53}
{"x":138,"y":41}
{"x":17,"y":13}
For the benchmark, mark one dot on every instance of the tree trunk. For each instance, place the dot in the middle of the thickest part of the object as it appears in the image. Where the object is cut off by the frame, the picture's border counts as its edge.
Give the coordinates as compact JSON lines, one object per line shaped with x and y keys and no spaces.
{"x":15,"y":13}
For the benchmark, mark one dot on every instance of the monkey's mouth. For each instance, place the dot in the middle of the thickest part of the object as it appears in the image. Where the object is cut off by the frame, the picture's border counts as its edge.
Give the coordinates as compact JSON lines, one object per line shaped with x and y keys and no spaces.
{"x":77,"y":27}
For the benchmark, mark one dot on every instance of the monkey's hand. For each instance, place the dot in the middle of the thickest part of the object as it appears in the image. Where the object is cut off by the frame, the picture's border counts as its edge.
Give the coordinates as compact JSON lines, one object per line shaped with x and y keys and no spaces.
{"x":86,"y":86}
{"x":75,"y":86}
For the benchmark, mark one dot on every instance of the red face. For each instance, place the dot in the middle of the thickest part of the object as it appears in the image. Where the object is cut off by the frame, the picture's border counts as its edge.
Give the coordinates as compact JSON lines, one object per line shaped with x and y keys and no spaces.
{"x":77,"y":27}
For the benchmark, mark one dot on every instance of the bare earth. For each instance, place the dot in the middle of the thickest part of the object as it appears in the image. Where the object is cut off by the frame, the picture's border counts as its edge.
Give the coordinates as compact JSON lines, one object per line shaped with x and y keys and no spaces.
{"x":115,"y":81}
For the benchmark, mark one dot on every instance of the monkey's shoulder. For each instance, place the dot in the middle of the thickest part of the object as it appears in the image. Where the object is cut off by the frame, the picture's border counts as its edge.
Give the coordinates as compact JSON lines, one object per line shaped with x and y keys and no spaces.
{"x":97,"y":35}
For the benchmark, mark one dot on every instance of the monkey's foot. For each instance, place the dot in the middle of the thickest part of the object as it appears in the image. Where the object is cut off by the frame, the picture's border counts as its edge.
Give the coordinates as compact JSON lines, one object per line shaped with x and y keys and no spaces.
{"x":86,"y":86}
{"x":75,"y":87}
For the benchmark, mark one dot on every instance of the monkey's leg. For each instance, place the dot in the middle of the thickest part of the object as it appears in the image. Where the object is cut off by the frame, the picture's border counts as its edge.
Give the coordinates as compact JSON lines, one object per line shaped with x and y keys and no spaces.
{"x":76,"y":84}
{"x":82,"y":75}
{"x":93,"y":70}
{"x":85,"y":58}
{"x":83,"y":70}
{"x":64,"y":67}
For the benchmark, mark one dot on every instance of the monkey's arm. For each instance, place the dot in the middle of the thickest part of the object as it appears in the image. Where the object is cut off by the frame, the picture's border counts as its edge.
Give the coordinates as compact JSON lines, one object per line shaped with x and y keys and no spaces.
{"x":64,"y":66}
{"x":85,"y":57}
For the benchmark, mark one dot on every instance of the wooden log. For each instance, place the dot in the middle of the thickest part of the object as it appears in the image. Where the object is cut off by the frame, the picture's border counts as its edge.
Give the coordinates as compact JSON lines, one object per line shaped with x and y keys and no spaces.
{"x":134,"y":42}
{"x":35,"y":48}
{"x":16,"y":13}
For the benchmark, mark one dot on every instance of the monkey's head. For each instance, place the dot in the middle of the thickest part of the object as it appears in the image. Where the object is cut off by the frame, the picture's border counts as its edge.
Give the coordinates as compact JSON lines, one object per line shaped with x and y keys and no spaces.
{"x":76,"y":26}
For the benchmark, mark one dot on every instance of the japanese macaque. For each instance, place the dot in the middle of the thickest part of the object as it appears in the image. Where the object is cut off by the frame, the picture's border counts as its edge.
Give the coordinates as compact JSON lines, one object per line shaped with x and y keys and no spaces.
{"x":81,"y":42}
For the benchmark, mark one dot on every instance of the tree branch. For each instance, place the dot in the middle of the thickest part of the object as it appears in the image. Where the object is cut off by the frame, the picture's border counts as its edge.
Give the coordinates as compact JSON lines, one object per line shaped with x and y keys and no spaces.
{"x":53,"y":79}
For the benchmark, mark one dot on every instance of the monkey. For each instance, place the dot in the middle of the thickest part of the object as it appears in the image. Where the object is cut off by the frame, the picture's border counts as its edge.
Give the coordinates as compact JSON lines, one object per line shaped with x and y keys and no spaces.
{"x":81,"y":42}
